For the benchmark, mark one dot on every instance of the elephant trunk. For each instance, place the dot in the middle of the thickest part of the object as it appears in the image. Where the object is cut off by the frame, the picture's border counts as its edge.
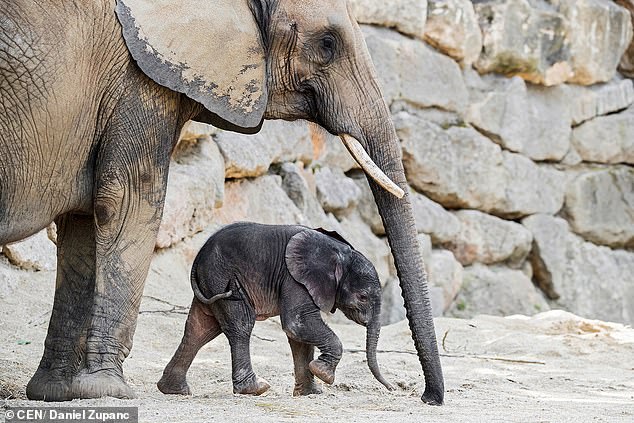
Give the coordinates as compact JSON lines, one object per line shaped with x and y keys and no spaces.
{"x":372,"y":339}
{"x":376,"y":133}
{"x":400,"y":227}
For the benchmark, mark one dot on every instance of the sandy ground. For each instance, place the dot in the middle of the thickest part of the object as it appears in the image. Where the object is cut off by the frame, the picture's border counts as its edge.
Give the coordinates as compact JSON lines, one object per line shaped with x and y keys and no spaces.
{"x":554,"y":367}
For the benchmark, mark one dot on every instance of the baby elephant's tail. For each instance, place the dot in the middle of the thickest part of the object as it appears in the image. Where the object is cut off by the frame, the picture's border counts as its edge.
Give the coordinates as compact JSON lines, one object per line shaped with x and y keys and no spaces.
{"x":199,"y":295}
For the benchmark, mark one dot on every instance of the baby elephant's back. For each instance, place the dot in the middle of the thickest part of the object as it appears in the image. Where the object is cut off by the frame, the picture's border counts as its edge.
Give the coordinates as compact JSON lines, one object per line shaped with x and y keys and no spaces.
{"x":245,"y":249}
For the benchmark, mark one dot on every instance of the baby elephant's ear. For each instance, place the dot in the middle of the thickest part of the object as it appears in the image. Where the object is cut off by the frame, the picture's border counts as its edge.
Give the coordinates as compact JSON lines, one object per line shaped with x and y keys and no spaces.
{"x":317,"y":261}
{"x":335,"y":235}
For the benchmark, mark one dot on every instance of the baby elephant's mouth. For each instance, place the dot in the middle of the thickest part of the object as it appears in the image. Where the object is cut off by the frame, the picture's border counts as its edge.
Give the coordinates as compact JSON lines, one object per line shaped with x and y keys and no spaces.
{"x":356,"y":316}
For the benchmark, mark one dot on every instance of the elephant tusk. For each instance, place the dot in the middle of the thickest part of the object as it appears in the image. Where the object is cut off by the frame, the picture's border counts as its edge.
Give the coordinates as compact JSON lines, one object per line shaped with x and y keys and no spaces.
{"x":369,"y":167}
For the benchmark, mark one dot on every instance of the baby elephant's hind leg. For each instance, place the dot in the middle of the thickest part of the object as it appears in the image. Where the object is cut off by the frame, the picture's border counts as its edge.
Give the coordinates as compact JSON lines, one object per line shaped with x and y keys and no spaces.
{"x":201,"y":327}
{"x":237,"y":319}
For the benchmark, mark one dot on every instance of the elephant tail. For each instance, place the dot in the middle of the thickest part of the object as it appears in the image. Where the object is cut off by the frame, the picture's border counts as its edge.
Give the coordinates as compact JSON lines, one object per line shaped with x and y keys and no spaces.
{"x":201,"y":297}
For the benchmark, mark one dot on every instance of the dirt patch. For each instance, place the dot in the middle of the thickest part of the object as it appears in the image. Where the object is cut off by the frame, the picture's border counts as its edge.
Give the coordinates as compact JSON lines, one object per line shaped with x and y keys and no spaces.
{"x":553,"y":367}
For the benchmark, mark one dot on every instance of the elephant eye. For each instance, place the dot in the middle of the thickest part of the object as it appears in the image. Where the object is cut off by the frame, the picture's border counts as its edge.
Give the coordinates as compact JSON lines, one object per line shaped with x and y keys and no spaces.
{"x":328,"y":42}
{"x":328,"y":45}
{"x":363,"y":298}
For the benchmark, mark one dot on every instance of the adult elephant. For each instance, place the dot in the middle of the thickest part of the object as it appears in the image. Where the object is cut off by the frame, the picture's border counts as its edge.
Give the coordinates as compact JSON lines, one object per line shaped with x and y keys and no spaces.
{"x":92,"y":99}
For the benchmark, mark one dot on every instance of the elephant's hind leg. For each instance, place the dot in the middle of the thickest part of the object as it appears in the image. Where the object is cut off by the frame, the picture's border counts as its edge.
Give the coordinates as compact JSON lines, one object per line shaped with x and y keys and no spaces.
{"x":200,"y":328}
{"x":65,"y":341}
{"x":237,"y":319}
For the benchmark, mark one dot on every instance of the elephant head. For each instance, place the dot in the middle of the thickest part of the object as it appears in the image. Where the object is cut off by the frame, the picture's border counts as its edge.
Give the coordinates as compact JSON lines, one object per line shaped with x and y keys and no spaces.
{"x":249,"y":60}
{"x":339,"y":277}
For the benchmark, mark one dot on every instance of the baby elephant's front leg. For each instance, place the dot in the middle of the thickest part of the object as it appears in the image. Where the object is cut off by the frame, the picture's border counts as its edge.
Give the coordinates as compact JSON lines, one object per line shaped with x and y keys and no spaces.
{"x":304,"y":324}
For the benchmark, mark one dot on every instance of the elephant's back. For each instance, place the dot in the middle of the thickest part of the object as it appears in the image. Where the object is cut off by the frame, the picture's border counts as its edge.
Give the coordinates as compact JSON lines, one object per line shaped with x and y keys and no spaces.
{"x":248,"y":240}
{"x":245,"y":249}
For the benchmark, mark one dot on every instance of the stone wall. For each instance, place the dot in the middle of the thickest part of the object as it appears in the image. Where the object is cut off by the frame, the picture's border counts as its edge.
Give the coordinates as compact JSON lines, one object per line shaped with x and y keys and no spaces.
{"x":518,"y":142}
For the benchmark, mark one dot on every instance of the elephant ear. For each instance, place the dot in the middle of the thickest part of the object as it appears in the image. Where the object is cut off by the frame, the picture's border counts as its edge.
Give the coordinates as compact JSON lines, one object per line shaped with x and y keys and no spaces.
{"x":317,"y":261}
{"x":335,"y":235}
{"x":211,"y":51}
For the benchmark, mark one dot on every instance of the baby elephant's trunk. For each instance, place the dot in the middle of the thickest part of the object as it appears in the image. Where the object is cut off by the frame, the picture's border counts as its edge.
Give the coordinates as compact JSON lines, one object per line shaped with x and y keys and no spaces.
{"x":372,"y":339}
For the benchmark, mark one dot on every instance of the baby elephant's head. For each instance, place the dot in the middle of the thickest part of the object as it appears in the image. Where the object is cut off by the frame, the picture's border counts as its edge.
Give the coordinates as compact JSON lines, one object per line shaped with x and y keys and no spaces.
{"x":359,"y":290}
{"x":338,"y":276}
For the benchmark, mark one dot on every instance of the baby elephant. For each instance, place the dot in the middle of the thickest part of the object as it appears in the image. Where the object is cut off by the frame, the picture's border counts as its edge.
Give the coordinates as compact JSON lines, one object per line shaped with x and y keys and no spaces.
{"x":247,"y":272}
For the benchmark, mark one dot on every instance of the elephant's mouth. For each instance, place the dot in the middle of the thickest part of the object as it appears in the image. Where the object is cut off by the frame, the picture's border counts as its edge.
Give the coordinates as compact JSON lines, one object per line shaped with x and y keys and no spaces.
{"x":369,"y":167}
{"x":356,"y":316}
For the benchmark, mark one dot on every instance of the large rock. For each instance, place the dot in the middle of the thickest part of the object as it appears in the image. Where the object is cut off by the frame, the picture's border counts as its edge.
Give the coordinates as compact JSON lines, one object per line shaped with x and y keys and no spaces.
{"x":599,"y":32}
{"x":336,"y":192}
{"x":411,"y":71}
{"x":193,"y":130}
{"x":549,"y":117}
{"x":36,"y":252}
{"x":293,"y":140}
{"x":600,"y":99}
{"x":584,"y":278}
{"x":446,"y":273}
{"x":444,"y":277}
{"x":627,"y":61}
{"x":460,"y":168}
{"x":384,"y":48}
{"x":299,"y":185}
{"x":195,"y":188}
{"x":260,"y":200}
{"x":392,"y":306}
{"x":252,"y":155}
{"x":534,"y":121}
{"x":600,"y":205}
{"x":606,"y":139}
{"x":431,"y":218}
{"x":245,"y":155}
{"x":524,"y":38}
{"x":329,"y":150}
{"x":407,"y":16}
{"x":452,"y":27}
{"x":498,"y":291}
{"x":488,"y":239}
{"x":430,"y":79}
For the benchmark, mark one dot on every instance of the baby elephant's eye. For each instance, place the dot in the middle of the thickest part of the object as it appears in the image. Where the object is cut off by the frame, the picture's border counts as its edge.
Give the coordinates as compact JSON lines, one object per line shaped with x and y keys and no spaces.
{"x":362,"y":298}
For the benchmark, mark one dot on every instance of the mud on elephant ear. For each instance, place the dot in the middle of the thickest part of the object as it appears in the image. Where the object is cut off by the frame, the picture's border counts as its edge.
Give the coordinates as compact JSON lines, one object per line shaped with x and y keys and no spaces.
{"x":176,"y":44}
{"x":228,"y":78}
{"x":316,"y":259}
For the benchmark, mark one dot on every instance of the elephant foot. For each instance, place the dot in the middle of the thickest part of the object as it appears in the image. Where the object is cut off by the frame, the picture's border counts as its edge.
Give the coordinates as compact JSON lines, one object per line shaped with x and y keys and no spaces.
{"x":323,"y":371}
{"x":46,"y":385}
{"x":432,"y":396}
{"x":102,"y":383}
{"x":169,"y":385}
{"x":302,"y":389}
{"x":257,"y":386}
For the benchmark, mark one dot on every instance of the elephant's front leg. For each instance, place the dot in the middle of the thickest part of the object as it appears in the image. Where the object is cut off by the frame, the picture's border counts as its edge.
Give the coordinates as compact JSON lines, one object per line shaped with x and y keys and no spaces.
{"x":305,"y":325}
{"x":303,"y":354}
{"x":65,"y":341}
{"x":127,"y":207}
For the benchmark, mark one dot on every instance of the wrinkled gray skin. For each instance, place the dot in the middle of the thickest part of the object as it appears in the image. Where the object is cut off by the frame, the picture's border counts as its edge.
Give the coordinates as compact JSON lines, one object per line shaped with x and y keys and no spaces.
{"x":86,"y":138}
{"x":247,"y":272}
